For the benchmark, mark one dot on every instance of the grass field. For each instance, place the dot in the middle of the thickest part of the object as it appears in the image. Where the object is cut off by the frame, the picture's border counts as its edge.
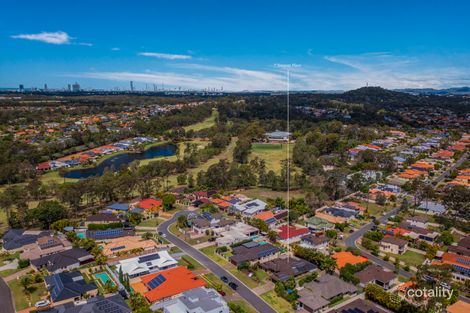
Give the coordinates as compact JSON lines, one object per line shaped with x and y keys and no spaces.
{"x":3,"y":222}
{"x":273,"y":154}
{"x":25,"y":300}
{"x":207,"y":123}
{"x":226,"y":154}
{"x":375,"y":209}
{"x":245,"y":306}
{"x":265,"y":193}
{"x":278,"y":303}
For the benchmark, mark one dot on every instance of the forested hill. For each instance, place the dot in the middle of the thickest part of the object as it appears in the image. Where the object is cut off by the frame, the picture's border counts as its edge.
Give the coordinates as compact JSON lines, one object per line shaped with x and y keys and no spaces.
{"x":380,"y":98}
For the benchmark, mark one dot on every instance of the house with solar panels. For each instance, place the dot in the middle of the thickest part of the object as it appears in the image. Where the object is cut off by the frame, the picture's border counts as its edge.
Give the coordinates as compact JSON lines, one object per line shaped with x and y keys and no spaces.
{"x":250,"y":208}
{"x":254,"y":252}
{"x":100,"y":304}
{"x":147,"y":264}
{"x":167,"y":284}
{"x":69,"y":286}
{"x":196,"y":300}
{"x":460,"y":265}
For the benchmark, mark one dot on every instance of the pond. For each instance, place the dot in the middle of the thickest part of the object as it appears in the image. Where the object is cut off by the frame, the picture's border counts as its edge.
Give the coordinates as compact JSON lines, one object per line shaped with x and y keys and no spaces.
{"x":119,"y":160}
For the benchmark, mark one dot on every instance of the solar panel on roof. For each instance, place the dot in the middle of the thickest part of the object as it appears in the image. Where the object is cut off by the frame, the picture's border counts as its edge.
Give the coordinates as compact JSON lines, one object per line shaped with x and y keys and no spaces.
{"x":157,"y":281}
{"x":463,"y":261}
{"x":149,"y":257}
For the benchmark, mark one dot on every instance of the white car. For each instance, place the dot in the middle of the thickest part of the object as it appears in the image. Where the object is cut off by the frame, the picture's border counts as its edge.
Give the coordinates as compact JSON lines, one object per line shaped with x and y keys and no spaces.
{"x":42,"y":303}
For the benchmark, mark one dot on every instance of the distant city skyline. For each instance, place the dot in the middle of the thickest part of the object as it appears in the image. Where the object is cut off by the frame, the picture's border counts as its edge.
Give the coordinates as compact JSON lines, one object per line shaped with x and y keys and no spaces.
{"x":339,"y":44}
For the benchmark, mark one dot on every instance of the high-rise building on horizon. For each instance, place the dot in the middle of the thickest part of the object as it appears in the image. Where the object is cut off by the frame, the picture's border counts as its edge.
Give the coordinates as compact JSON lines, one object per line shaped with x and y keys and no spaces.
{"x":132,"y":86}
{"x":76,"y":87}
{"x":69,"y":88}
{"x":21,"y":88}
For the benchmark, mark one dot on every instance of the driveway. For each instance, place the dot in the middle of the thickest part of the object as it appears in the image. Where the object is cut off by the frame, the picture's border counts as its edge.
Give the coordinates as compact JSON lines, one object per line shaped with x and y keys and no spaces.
{"x":245,"y":292}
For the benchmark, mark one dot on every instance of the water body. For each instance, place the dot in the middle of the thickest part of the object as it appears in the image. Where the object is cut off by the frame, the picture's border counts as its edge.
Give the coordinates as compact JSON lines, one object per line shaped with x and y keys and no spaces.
{"x":119,"y":160}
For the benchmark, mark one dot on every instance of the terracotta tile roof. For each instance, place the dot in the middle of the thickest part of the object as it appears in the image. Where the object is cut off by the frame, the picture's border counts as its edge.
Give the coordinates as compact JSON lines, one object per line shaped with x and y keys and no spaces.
{"x":264,"y":216}
{"x":291,"y":232}
{"x":346,"y":257}
{"x":150,"y":204}
{"x":459,"y":307}
{"x":177,"y":280}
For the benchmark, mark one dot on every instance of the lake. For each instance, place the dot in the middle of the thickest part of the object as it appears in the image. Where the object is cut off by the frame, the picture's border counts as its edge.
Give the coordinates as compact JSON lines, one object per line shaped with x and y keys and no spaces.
{"x":117,"y":161}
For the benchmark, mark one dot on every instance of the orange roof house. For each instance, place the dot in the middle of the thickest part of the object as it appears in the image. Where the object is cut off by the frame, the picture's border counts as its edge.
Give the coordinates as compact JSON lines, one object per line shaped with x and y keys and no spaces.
{"x":150,"y":204}
{"x":411,"y":174}
{"x":459,"y":307}
{"x":167,"y":283}
{"x":422,"y":165}
{"x":264,"y":216}
{"x":443,"y":154}
{"x":346,"y":257}
{"x":127,"y":244}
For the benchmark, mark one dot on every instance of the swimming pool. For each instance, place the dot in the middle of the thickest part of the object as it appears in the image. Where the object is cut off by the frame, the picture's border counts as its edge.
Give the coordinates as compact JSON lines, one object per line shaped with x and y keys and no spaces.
{"x":104,"y":277}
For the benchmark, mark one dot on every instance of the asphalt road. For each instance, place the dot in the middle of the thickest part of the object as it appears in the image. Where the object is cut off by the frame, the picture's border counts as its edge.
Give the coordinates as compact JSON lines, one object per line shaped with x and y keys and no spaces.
{"x":5,"y":298}
{"x":441,"y":177}
{"x":351,"y":242}
{"x":245,"y":292}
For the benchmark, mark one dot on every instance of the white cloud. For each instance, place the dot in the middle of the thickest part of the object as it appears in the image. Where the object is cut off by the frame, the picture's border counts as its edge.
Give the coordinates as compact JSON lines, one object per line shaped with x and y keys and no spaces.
{"x":87,"y":44}
{"x":115,"y":49}
{"x":347,"y":72}
{"x":166,"y":56}
{"x":56,"y":38}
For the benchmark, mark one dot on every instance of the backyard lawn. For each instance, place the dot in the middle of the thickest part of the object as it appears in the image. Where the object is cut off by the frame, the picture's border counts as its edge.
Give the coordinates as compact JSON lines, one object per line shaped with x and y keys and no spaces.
{"x":278,"y":303}
{"x":25,"y":300}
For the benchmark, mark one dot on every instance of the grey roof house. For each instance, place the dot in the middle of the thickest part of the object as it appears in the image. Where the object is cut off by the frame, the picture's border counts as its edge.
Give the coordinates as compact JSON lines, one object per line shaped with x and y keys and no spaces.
{"x":64,"y":260}
{"x":283,"y":269}
{"x":69,"y":286}
{"x":317,"y":294}
{"x":15,"y":239}
{"x":100,"y":304}
{"x":197,"y":300}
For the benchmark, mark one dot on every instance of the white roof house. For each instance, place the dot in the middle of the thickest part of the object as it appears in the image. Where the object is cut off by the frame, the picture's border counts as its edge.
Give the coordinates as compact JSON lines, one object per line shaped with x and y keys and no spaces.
{"x":147,"y":264}
{"x":251,"y":207}
{"x":237,"y":233}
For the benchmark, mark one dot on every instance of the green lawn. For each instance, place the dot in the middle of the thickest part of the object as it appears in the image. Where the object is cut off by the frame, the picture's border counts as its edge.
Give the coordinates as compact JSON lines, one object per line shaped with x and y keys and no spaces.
{"x":25,"y":300}
{"x":207,"y":123}
{"x":251,"y":283}
{"x":216,"y":283}
{"x":410,"y":257}
{"x":273,"y":154}
{"x":278,"y":303}
{"x":265,"y":193}
{"x":7,"y":273}
{"x":3,"y":222}
{"x":210,"y":252}
{"x":186,"y":260}
{"x":153,"y":222}
{"x":375,"y":209}
{"x":245,"y":306}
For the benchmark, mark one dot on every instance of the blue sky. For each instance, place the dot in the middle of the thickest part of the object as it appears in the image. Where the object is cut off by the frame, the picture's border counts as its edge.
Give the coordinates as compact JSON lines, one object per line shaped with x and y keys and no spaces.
{"x":235,"y":45}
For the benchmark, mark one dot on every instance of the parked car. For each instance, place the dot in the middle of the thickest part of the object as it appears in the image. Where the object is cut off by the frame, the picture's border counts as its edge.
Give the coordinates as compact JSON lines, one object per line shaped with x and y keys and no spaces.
{"x":224,"y":279}
{"x":233,"y":285}
{"x":42,"y":303}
